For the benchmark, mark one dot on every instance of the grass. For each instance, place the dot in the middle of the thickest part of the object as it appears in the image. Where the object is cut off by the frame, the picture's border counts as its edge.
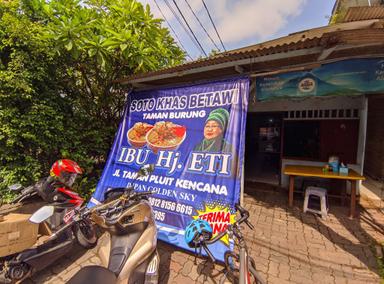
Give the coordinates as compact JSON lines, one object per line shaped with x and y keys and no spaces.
{"x":379,"y":260}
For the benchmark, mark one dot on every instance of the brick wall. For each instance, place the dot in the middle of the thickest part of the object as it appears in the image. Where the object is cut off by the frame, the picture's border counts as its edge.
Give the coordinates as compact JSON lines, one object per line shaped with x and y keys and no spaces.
{"x":374,"y":149}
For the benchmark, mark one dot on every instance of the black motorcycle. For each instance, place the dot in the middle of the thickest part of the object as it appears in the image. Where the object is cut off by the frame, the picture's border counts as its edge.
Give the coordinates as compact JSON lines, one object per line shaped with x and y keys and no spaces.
{"x":57,"y":235}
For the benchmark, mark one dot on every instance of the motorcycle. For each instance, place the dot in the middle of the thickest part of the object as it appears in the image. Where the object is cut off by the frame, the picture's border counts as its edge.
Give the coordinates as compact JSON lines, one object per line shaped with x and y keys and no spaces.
{"x":57,"y":234}
{"x":32,"y":197}
{"x":129,"y":254}
{"x":25,"y":196}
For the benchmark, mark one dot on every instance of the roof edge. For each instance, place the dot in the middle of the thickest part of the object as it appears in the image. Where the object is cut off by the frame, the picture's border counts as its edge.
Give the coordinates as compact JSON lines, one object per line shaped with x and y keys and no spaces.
{"x":301,"y":43}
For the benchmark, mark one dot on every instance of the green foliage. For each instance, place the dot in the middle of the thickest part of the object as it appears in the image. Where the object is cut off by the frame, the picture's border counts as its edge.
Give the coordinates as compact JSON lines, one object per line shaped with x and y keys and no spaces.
{"x":377,"y":250}
{"x":58,"y":62}
{"x":214,"y":52}
{"x":338,"y":17}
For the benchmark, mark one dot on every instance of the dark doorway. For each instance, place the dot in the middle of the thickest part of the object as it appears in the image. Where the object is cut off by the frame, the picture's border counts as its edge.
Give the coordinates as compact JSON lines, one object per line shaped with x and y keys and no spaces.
{"x":263,"y":147}
{"x":374,"y":148}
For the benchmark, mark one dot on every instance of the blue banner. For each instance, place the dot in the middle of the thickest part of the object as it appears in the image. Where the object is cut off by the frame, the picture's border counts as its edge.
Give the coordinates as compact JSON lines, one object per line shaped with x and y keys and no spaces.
{"x":347,"y":77}
{"x":195,"y":136}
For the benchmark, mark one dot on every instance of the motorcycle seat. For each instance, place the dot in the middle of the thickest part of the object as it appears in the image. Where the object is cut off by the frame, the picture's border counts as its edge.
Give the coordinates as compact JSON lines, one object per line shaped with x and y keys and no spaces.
{"x":93,"y":274}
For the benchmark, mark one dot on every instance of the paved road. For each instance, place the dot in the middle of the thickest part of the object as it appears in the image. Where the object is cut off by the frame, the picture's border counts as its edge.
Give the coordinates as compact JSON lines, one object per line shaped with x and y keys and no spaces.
{"x":287,"y":245}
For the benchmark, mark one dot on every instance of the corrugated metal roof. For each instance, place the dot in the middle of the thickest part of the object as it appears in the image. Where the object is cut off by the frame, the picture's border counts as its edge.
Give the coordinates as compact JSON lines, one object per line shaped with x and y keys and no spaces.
{"x":325,"y":37}
{"x":233,"y":56}
{"x":364,"y":13}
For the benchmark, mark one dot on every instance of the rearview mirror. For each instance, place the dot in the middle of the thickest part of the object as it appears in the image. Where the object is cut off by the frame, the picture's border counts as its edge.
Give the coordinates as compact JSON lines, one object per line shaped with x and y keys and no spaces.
{"x":42,"y":214}
{"x":146,"y":170}
{"x":15,"y":187}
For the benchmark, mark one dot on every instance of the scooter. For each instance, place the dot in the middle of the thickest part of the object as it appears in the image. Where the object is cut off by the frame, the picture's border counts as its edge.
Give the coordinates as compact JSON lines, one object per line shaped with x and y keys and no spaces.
{"x":129,"y":254}
{"x":57,"y":234}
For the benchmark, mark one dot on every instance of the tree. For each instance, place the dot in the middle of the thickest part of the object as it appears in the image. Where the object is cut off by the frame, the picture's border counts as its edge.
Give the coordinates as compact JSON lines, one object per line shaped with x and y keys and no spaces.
{"x":58,"y":63}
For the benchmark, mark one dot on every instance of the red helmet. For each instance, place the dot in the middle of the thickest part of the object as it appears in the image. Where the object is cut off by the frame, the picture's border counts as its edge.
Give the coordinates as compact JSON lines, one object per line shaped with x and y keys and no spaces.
{"x":65,"y":171}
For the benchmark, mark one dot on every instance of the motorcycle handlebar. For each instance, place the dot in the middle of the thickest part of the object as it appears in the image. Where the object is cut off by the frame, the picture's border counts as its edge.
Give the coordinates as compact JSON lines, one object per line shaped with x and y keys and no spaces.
{"x":242,"y":210}
{"x":118,"y":206}
{"x":139,"y":194}
{"x":215,"y":239}
{"x":24,"y":194}
{"x":243,"y":219}
{"x":80,"y":214}
{"x":244,"y":216}
{"x":122,"y":188}
{"x":243,"y":213}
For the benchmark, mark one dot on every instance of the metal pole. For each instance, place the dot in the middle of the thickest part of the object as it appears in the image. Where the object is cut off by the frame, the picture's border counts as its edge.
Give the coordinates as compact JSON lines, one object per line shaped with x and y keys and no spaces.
{"x":242,"y":186}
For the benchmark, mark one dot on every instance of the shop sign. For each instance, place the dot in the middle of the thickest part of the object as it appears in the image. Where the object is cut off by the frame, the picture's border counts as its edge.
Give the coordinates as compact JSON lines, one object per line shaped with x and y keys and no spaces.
{"x":347,"y":77}
{"x":195,"y":136}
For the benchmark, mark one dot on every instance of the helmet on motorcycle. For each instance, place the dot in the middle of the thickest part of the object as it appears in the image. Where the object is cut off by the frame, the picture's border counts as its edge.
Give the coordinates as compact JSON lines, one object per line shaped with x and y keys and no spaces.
{"x":65,"y":171}
{"x":196,"y":229}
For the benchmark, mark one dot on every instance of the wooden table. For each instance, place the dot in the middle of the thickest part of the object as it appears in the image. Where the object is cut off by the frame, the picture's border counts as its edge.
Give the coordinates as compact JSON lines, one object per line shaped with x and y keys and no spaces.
{"x":311,"y":171}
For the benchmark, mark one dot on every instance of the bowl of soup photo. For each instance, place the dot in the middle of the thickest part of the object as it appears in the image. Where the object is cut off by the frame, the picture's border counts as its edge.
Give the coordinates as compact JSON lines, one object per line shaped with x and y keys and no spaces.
{"x":137,"y":134}
{"x":166,"y":135}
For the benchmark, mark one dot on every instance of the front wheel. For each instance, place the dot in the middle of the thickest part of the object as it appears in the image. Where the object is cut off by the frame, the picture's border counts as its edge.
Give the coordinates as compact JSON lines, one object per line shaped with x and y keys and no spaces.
{"x":252,"y":269}
{"x":85,"y":234}
{"x":232,"y":265}
{"x":15,"y":273}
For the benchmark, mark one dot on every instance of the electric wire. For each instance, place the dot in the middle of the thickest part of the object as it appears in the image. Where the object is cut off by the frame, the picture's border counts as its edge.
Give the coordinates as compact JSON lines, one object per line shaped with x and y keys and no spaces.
{"x":169,"y":25}
{"x":182,"y":25}
{"x":186,"y":22}
{"x":209,"y":14}
{"x":201,"y":24}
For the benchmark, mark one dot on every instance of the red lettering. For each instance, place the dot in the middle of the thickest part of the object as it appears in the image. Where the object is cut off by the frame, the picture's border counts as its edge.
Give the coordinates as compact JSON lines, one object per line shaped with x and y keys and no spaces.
{"x":213,"y":216}
{"x":209,"y":218}
{"x":227,"y":218}
{"x":220,"y":217}
{"x":218,"y":220}
{"x":219,"y":227}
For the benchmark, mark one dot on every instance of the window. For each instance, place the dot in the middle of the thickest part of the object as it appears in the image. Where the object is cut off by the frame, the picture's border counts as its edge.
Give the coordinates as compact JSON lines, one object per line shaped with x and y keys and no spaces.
{"x":321,"y":114}
{"x":319,"y":139}
{"x":301,"y":139}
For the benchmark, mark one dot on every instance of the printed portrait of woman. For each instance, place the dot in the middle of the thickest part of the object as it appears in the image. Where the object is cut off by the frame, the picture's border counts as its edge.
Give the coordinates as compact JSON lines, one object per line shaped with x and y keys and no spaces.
{"x":214,"y":132}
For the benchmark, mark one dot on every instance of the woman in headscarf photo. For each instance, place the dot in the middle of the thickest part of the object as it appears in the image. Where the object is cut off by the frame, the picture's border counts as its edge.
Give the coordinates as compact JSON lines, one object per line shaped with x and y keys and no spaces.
{"x":214,"y":131}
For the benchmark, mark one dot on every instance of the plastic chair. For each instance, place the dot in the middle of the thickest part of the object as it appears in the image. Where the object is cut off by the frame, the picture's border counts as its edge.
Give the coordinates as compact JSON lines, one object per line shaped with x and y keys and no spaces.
{"x":321,"y":193}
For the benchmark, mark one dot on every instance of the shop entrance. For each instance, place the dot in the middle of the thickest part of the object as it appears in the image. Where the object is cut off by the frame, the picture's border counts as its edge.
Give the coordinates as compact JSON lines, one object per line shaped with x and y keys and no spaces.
{"x":263,"y":147}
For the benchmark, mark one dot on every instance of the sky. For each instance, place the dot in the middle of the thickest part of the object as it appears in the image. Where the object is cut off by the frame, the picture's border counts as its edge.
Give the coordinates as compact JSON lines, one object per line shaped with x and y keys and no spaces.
{"x":239,"y":23}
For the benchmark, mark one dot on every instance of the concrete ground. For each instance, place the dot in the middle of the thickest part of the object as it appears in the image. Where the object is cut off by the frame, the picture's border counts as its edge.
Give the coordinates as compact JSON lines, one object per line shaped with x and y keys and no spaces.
{"x":287,"y":245}
{"x":372,"y":192}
